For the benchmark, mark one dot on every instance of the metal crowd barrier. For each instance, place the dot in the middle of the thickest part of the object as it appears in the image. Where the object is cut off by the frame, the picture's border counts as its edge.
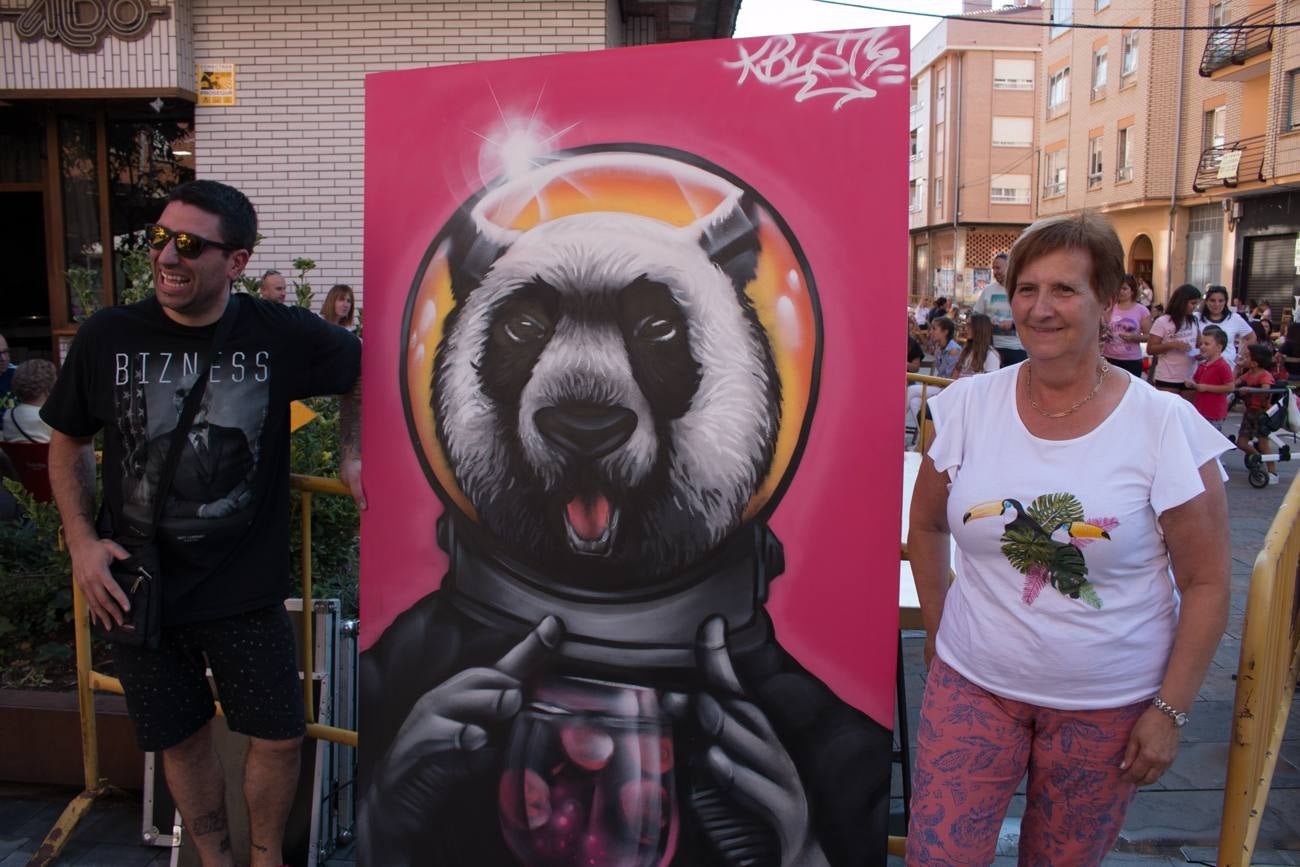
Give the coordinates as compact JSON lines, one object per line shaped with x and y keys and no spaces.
{"x":89,"y":681}
{"x":929,"y":385}
{"x":1266,"y":682}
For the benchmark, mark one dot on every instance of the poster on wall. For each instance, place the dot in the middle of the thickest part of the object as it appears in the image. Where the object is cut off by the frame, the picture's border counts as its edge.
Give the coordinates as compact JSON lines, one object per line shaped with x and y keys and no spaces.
{"x":216,"y":83}
{"x":632,"y":428}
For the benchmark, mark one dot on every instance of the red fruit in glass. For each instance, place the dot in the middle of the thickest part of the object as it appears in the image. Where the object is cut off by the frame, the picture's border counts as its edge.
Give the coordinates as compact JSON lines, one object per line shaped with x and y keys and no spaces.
{"x":588,"y":779}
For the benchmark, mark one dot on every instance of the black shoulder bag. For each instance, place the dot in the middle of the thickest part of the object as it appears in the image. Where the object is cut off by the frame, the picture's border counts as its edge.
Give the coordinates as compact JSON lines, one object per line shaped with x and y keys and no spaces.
{"x":139,"y":575}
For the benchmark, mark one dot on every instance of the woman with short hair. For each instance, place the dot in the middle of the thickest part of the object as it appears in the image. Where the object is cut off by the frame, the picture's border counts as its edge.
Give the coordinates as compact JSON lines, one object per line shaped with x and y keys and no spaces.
{"x":1089,"y":599}
{"x":32,"y":384}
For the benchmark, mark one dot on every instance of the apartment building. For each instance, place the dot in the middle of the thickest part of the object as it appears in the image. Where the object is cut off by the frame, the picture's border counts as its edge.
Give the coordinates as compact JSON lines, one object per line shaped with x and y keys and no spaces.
{"x":100,"y":114}
{"x":1110,"y":123}
{"x":972,"y":162}
{"x":1248,"y":166}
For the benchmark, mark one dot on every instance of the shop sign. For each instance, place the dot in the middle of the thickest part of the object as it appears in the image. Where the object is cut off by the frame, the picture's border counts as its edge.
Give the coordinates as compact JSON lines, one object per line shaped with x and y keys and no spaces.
{"x":82,"y":24}
{"x":216,"y":83}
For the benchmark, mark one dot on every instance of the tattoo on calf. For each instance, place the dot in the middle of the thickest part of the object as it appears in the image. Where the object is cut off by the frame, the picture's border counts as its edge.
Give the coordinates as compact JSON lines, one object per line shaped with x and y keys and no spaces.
{"x":211,"y":823}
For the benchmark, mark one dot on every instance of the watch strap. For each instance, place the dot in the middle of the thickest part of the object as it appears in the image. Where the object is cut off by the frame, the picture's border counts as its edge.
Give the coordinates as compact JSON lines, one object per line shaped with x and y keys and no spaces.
{"x":1179,"y":717}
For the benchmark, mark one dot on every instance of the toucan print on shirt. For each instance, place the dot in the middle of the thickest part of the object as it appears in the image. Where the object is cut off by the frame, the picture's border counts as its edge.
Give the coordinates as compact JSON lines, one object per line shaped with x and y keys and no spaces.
{"x":1045,"y":543}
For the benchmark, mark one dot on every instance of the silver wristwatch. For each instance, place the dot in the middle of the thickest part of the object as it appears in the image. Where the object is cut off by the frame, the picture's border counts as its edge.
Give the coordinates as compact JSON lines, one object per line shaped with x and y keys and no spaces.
{"x":1179,"y":718}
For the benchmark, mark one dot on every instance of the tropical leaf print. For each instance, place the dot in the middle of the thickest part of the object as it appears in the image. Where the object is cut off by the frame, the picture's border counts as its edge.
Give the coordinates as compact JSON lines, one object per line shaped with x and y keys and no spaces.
{"x":1040,"y":543}
{"x":1025,"y":548}
{"x":1053,"y":510}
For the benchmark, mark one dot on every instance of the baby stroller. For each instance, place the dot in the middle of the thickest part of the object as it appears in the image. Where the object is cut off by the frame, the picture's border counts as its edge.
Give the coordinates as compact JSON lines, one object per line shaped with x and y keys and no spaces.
{"x":1276,"y":419}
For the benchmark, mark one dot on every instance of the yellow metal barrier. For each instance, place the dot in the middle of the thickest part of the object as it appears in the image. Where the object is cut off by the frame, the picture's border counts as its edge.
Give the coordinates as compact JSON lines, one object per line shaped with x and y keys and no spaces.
{"x":89,"y":681}
{"x":924,"y":429}
{"x":1266,"y":680}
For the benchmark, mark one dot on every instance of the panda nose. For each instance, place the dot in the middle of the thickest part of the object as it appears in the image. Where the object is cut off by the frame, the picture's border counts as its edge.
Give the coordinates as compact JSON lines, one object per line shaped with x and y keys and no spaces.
{"x":587,"y":430}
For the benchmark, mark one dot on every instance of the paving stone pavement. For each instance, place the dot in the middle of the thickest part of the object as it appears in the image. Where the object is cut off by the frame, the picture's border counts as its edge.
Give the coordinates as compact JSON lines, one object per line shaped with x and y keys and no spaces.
{"x":1177,"y":820}
{"x":1173,"y":822}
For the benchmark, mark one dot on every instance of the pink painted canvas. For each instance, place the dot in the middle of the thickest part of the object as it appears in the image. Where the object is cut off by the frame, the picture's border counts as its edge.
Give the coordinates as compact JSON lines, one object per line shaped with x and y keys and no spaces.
{"x":632,"y":416}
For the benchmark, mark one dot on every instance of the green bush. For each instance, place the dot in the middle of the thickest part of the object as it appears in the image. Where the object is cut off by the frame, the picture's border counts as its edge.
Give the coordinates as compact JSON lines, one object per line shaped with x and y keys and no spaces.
{"x":35,"y":599}
{"x":314,"y":451}
{"x":36,"y":636}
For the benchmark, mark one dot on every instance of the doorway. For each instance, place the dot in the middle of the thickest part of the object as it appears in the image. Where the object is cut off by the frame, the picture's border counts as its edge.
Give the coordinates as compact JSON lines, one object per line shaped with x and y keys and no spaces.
{"x":25,"y":314}
{"x":1141,"y":263}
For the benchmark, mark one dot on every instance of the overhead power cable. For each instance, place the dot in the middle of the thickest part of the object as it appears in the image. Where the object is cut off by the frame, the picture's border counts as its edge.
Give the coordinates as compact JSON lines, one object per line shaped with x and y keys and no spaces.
{"x":1058,"y":25}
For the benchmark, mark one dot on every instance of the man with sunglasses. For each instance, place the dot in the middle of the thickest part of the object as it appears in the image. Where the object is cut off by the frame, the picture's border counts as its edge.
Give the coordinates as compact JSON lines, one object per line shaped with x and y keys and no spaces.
{"x":224,"y":572}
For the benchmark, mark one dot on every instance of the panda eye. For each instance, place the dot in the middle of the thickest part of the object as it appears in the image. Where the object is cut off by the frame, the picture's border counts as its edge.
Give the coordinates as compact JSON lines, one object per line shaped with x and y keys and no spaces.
{"x":656,"y":329}
{"x":524,"y":328}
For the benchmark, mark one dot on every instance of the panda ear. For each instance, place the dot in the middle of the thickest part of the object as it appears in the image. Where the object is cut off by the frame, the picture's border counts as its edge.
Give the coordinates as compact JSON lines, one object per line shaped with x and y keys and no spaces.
{"x":729,"y":237}
{"x":473,"y":246}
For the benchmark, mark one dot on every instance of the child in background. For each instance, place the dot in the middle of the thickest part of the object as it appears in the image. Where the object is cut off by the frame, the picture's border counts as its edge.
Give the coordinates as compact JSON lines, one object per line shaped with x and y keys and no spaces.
{"x":1212,"y":380}
{"x":1258,"y":361}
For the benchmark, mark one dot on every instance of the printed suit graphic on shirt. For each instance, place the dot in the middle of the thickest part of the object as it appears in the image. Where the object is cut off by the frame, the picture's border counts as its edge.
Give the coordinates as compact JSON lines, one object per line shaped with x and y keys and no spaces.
{"x":1045,"y":543}
{"x":215,"y":472}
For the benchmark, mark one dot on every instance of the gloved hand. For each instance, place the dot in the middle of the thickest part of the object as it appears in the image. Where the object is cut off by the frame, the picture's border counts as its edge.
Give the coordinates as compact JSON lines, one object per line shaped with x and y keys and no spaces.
{"x":441,"y":744}
{"x":748,"y":762}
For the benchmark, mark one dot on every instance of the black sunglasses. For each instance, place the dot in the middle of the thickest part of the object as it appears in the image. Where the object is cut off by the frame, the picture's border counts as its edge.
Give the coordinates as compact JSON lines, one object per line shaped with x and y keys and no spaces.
{"x":188,"y":245}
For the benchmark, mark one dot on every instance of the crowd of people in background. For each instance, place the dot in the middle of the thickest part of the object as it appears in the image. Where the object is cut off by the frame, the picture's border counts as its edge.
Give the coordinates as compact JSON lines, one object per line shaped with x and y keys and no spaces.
{"x":1212,"y":350}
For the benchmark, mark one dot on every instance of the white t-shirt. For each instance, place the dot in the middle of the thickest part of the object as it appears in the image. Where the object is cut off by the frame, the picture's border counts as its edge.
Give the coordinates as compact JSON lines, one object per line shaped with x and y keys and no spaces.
{"x":996,"y":305}
{"x":992,"y":362}
{"x":23,"y":424}
{"x":1009,"y":623}
{"x":1236,"y":328}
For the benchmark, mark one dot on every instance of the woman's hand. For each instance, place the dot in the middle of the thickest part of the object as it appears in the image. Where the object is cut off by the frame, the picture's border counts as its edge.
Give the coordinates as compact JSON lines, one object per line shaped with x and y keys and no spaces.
{"x":1152,"y":745}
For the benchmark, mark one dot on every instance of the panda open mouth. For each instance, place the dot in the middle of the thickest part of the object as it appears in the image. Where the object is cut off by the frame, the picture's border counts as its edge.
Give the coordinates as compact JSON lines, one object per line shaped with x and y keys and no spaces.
{"x":591,"y":524}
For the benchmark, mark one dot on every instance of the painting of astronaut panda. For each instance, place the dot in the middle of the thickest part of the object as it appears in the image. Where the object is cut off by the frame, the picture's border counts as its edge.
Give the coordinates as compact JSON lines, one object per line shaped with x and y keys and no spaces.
{"x":596,"y":681}
{"x":626,"y":593}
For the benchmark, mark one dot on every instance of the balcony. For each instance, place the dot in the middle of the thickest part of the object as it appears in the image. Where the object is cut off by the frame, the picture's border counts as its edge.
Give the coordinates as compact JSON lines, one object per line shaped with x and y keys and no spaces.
{"x":1053,"y":190}
{"x":1230,"y":164}
{"x":1241,"y":44}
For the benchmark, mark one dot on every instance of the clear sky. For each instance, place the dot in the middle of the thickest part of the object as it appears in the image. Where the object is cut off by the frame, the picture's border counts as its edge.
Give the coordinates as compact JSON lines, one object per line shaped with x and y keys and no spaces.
{"x":768,"y":17}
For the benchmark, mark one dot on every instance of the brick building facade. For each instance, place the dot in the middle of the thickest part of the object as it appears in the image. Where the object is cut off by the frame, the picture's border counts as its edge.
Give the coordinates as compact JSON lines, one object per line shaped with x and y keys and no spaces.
{"x":95,"y":125}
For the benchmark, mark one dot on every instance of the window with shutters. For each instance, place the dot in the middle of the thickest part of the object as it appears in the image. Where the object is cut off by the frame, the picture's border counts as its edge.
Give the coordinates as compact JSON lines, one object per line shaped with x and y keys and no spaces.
{"x":1009,"y":189}
{"x":1013,"y":132}
{"x":1095,"y":162}
{"x":1293,"y":99}
{"x":1009,"y":74}
{"x":938,"y":198}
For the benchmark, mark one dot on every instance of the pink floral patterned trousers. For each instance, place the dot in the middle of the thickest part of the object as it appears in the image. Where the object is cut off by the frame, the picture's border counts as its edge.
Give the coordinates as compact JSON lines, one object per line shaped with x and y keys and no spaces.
{"x":973,"y":748}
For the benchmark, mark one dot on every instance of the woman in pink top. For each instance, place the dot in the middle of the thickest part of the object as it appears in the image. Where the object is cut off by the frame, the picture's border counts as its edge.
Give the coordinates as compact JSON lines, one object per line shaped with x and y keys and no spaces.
{"x":1130,"y":322}
{"x":1174,"y":341}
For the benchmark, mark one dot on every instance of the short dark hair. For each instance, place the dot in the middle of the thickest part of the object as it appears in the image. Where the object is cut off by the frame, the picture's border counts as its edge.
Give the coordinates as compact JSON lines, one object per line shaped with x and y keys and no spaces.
{"x":238,"y":218}
{"x":267,"y":273}
{"x":1179,"y":302}
{"x":1220,"y":336}
{"x":1003,"y":256}
{"x":1087,"y":231}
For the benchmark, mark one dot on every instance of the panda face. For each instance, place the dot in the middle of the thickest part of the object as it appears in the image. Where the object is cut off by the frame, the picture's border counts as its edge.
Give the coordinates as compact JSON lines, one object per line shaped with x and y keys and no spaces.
{"x":607,"y":399}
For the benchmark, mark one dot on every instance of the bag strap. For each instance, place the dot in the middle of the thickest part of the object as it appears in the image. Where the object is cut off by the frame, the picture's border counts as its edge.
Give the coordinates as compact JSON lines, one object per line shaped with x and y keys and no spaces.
{"x":13,"y":415}
{"x":188,"y":411}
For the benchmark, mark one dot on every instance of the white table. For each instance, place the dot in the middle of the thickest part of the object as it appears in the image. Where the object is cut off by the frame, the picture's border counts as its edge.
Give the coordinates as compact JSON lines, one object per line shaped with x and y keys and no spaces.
{"x":909,"y":606}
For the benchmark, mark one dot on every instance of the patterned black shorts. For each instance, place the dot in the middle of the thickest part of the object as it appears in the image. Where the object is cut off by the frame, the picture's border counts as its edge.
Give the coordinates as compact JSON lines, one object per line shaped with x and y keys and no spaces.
{"x":254,"y":663}
{"x":1253,"y":424}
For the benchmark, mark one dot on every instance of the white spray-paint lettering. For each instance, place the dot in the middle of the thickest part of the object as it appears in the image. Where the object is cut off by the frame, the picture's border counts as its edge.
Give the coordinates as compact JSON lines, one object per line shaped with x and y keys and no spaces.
{"x":824,"y":64}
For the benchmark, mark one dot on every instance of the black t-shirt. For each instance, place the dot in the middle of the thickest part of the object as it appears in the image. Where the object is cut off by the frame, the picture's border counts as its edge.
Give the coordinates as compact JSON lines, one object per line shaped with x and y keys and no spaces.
{"x":914,"y":350}
{"x":224,"y":534}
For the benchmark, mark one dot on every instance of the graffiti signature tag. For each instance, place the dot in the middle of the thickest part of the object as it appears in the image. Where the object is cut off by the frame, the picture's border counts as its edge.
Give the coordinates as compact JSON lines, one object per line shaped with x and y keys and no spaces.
{"x":824,"y":64}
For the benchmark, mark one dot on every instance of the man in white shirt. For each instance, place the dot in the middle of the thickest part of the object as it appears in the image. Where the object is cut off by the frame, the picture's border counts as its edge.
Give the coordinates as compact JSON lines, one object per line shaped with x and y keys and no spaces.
{"x":996,"y":305}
